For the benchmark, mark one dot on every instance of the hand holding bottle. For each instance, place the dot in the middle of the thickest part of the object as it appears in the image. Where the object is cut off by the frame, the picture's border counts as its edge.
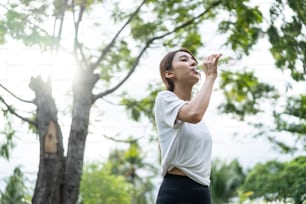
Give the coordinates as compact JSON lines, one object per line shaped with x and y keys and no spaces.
{"x":210,"y":65}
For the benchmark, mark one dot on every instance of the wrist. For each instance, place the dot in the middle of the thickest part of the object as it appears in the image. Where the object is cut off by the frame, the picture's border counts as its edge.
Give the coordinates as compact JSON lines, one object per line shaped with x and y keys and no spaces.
{"x":211,"y":77}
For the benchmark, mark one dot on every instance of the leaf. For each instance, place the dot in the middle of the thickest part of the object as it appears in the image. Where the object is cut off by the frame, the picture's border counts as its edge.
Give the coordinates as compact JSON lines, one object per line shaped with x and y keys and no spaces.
{"x":7,"y":144}
{"x":243,"y":93}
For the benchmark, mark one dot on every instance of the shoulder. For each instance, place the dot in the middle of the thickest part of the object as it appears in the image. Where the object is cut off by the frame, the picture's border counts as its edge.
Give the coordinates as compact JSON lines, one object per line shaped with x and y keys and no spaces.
{"x":168,"y":99}
{"x":166,"y":95}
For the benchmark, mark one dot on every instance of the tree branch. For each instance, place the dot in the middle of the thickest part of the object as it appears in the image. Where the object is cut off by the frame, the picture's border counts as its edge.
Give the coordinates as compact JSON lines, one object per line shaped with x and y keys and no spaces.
{"x":123,"y":141}
{"x":83,"y":57}
{"x":112,"y":42}
{"x":62,"y":17}
{"x":11,"y":110}
{"x":77,"y":45}
{"x":102,"y":94}
{"x":77,"y":23}
{"x":187,"y":23}
{"x":20,"y":99}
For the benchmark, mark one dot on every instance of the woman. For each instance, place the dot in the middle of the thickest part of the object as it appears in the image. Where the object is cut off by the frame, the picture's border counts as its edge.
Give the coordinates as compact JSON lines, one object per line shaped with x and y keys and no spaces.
{"x":184,"y":139}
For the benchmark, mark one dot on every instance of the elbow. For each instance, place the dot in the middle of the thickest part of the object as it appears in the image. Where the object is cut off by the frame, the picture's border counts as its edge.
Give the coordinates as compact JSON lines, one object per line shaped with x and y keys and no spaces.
{"x":195,"y":118}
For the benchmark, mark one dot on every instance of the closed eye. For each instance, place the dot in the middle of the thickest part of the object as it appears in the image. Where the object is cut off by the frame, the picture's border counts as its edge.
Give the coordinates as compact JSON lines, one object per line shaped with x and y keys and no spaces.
{"x":186,"y":58}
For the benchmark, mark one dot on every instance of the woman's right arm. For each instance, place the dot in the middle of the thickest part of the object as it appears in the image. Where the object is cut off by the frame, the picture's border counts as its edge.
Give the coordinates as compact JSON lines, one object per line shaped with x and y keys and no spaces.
{"x":194,"y":111}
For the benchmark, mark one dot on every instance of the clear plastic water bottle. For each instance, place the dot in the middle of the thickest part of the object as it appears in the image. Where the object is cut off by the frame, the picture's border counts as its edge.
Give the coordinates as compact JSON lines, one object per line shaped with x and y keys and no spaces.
{"x":227,"y":61}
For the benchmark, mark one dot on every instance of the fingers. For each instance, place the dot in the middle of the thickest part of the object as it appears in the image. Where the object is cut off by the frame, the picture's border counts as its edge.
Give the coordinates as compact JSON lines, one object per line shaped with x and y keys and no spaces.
{"x":216,"y":58}
{"x":212,"y":58}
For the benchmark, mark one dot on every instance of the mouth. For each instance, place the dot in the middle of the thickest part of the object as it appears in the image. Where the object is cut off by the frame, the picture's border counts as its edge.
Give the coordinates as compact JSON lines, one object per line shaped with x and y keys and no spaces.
{"x":196,"y":70}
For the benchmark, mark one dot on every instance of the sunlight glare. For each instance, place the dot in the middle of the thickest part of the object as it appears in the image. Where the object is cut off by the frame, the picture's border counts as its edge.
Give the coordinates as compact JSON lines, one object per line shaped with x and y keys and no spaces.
{"x":23,"y":63}
{"x":63,"y":67}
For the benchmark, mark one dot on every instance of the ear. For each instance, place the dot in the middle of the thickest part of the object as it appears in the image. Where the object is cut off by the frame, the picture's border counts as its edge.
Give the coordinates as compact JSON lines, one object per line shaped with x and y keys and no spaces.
{"x":169,"y":74}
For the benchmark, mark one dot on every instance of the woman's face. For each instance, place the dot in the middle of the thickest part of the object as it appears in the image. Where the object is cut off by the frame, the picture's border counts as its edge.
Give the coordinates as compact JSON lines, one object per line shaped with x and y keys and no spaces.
{"x":184,"y":68}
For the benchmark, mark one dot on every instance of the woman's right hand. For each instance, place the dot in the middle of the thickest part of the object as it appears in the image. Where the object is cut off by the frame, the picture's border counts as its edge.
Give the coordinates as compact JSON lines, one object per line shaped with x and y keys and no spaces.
{"x":210,"y":65}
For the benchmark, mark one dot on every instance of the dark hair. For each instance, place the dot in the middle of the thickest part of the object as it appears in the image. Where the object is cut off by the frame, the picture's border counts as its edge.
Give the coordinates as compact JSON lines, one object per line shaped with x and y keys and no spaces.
{"x":166,"y":64}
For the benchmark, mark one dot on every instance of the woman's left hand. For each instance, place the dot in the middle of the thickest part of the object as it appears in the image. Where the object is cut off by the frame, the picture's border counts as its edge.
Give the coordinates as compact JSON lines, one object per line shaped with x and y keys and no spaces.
{"x":210,"y":65}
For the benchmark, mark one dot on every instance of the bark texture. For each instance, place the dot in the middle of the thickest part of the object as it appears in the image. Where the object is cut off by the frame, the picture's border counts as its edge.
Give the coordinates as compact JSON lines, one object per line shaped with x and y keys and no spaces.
{"x":51,"y":157}
{"x":82,"y":87}
{"x":58,"y":180}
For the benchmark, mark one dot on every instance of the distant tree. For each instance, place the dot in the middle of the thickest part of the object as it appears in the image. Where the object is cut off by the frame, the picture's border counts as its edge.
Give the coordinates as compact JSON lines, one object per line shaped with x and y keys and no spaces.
{"x":225,"y":180}
{"x":278,"y":181}
{"x":123,"y":167}
{"x":130,"y":164}
{"x":15,"y":191}
{"x":99,"y":185}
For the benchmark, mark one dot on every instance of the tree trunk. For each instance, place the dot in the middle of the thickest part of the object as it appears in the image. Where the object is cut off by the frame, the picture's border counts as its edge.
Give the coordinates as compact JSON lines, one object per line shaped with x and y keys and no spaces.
{"x":75,"y":154}
{"x":82,"y":101}
{"x":58,"y":180}
{"x":51,"y":161}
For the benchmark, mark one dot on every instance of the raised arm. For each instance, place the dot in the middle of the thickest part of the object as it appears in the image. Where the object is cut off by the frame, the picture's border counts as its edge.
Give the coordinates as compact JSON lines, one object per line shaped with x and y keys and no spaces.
{"x":194,"y":111}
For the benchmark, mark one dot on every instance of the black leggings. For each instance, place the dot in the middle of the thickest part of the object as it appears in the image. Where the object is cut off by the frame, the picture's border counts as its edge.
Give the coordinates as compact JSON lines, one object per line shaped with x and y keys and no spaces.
{"x":182,"y":190}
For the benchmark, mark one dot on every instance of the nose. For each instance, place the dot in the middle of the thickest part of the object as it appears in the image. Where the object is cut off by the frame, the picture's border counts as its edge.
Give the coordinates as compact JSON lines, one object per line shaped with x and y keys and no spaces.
{"x":193,"y":62}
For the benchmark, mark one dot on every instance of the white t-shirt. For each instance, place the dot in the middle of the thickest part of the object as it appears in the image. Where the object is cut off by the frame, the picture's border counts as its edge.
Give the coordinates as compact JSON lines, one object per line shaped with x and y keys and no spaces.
{"x":184,"y":145}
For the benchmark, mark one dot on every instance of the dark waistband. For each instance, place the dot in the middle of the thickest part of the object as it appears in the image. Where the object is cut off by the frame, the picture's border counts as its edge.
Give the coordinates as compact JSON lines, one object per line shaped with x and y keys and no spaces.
{"x":183,"y":178}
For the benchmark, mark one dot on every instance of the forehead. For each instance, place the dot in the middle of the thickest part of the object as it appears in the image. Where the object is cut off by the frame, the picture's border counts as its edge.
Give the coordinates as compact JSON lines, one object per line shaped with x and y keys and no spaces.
{"x":182,"y":54}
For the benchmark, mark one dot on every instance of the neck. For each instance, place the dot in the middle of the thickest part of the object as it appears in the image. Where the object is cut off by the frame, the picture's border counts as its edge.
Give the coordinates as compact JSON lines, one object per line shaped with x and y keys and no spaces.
{"x":183,"y":92}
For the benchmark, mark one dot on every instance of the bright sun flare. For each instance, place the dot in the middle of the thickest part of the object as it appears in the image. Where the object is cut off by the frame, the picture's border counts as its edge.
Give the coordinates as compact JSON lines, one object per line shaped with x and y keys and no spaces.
{"x":19,"y":64}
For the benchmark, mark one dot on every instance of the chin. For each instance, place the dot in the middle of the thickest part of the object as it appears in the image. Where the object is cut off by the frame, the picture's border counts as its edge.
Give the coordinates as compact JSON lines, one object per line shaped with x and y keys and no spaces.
{"x":195,"y":81}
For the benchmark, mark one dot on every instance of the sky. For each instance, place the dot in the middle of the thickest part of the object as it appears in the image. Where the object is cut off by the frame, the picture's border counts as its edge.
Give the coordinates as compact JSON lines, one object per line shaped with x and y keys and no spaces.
{"x":231,"y":139}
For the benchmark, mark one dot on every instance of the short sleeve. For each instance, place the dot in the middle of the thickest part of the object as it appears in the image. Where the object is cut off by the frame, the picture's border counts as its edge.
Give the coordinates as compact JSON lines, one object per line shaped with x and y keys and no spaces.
{"x":167,"y":106}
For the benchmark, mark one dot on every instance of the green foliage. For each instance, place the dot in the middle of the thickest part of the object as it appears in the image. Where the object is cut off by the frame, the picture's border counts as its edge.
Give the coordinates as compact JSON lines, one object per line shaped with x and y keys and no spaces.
{"x":293,"y":120}
{"x":132,"y":155}
{"x":118,"y":180}
{"x":2,"y":32}
{"x":296,"y":109}
{"x":15,"y":191}
{"x":142,"y":30}
{"x":225,"y":180}
{"x":144,"y":106}
{"x":99,"y":186}
{"x":243,"y":93}
{"x":22,"y":21}
{"x":278,"y":181}
{"x":243,"y":24}
{"x":129,"y":163}
{"x":7,"y":144}
{"x":193,"y":42}
{"x":117,"y":61}
{"x":287,"y":37}
{"x":285,"y":33}
{"x":172,"y":17}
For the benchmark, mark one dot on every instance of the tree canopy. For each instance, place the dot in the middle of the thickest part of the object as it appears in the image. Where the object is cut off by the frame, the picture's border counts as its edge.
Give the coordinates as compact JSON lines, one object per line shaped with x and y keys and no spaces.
{"x":278,"y":181}
{"x":99,"y":185}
